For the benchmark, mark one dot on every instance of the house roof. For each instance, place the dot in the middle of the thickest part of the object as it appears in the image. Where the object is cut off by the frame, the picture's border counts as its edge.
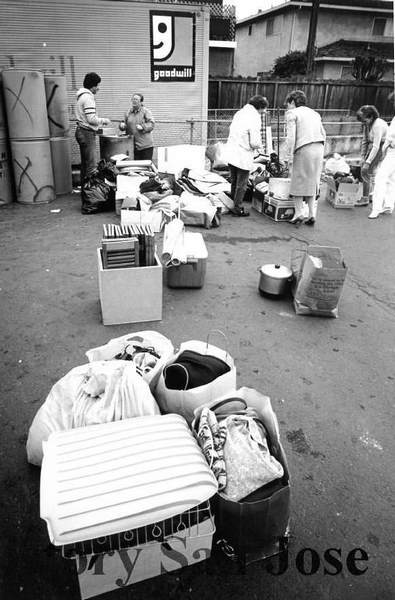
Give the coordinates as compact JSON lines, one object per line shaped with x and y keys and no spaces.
{"x":353,"y":48}
{"x":383,"y":6}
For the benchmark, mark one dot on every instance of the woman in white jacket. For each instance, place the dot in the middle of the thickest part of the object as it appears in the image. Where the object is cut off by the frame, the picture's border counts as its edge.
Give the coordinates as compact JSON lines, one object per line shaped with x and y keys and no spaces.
{"x":384,"y":189}
{"x":305,"y":148}
{"x":244,"y":138}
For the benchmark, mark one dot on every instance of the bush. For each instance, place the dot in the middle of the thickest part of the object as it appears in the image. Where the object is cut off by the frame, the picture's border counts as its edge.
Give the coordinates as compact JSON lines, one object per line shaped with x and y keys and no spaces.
{"x":293,"y":63}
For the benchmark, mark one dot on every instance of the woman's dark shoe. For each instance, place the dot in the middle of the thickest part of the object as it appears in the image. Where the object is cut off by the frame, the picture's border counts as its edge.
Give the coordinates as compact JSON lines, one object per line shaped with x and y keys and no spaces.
{"x":310,"y":221}
{"x":240,"y":212}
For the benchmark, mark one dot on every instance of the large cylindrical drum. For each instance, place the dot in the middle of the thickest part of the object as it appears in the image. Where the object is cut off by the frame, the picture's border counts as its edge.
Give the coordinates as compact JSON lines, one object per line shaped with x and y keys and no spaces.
{"x":32,"y":165}
{"x":26,"y":106}
{"x":6,"y":189}
{"x":57,"y":105}
{"x":116,"y":144}
{"x":3,"y":119}
{"x":61,"y":164}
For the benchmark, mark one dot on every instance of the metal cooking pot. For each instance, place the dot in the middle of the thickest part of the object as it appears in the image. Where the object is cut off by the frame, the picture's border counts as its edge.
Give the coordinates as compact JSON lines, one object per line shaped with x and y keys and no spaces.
{"x":275,"y":280}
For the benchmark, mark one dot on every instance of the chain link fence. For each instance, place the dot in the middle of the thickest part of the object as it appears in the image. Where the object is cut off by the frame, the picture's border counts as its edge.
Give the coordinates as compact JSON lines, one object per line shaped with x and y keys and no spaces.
{"x":338,"y":124}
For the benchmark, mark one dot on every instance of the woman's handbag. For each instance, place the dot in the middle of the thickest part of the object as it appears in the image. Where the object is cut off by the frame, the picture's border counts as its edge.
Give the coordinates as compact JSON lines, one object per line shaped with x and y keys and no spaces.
{"x":215,"y":376}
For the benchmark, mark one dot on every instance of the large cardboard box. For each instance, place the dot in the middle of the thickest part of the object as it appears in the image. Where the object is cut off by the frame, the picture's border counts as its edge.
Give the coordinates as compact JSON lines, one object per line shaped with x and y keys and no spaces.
{"x":119,"y":568}
{"x":173,"y":159}
{"x":345,"y":196}
{"x":131,"y":295}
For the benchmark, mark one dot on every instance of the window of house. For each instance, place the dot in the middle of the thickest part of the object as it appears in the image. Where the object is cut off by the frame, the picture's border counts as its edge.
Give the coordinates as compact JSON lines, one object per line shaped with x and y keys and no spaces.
{"x":346,"y":72}
{"x":249,"y":29}
{"x":270,"y":27}
{"x":379,"y":26}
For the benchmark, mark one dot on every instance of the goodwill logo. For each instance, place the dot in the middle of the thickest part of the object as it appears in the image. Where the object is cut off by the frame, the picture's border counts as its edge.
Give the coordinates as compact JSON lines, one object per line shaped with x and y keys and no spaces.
{"x":172,"y":46}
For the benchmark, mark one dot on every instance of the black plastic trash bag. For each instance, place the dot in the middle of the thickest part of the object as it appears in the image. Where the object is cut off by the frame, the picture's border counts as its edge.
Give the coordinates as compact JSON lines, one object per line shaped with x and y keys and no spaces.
{"x":98,"y":190}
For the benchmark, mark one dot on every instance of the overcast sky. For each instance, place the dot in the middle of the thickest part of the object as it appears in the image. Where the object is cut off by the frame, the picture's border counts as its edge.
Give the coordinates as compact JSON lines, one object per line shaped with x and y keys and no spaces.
{"x":245,"y":8}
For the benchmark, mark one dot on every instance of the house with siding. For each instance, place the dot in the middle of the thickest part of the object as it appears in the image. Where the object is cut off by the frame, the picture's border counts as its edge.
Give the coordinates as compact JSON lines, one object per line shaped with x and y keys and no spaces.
{"x":264,"y":37}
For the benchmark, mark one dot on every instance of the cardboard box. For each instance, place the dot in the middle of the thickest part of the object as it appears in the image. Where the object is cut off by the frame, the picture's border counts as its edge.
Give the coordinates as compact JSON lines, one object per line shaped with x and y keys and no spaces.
{"x":258,"y":199}
{"x":173,"y":159}
{"x":117,"y":569}
{"x":345,"y":196}
{"x":131,"y":295}
{"x":277,"y":209}
{"x":142,"y":217}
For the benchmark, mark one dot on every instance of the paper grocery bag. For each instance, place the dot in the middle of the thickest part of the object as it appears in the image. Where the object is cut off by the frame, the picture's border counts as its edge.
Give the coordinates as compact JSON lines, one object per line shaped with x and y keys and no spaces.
{"x":319,"y":281}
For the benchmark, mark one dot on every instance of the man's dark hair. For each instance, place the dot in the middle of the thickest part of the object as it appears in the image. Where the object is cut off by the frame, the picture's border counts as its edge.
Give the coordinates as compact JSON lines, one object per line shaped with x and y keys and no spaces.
{"x":367,"y":111}
{"x":140,"y":96}
{"x":298,"y":97}
{"x":258,"y":102}
{"x":91,"y":80}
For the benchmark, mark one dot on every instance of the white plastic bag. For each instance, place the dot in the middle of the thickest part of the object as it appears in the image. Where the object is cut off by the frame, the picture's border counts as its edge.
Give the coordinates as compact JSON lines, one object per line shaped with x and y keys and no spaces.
{"x":93,"y":393}
{"x":184,"y":402}
{"x":145,"y":339}
{"x":337,"y":164}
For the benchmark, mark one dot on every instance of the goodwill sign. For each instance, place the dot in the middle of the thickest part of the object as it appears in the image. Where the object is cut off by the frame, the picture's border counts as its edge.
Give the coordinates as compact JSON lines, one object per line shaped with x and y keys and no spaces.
{"x":172,"y":36}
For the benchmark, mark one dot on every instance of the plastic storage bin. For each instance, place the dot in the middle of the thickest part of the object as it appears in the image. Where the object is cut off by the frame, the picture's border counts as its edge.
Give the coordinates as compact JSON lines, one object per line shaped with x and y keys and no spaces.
{"x":192,"y":273}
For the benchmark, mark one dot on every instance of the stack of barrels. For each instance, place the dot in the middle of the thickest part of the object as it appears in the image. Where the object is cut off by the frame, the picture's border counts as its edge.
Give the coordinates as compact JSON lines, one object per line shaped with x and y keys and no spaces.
{"x":38,"y":129}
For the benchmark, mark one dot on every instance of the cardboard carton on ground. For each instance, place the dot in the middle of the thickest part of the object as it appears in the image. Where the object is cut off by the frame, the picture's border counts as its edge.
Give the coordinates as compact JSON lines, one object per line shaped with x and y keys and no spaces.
{"x":118,"y":569}
{"x":257,"y":201}
{"x":130,"y":295}
{"x":345,"y":196}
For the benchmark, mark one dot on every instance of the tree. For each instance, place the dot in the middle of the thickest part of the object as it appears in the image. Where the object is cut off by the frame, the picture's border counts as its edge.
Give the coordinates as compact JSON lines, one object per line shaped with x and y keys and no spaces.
{"x":293,"y":63}
{"x":368,"y":68}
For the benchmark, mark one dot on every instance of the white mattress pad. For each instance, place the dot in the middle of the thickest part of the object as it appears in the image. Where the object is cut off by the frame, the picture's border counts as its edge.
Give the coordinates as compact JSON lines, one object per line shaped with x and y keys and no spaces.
{"x":104,"y":479}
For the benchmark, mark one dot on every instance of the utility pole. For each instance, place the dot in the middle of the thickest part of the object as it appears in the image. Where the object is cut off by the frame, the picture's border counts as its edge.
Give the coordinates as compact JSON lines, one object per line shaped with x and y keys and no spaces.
{"x":312,"y":35}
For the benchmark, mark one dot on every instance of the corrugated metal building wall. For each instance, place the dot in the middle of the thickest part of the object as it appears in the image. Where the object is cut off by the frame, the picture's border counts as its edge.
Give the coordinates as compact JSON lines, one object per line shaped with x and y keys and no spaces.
{"x":112,"y":38}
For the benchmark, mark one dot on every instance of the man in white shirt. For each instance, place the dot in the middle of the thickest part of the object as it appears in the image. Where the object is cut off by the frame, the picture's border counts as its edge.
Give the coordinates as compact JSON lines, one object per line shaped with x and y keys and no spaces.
{"x":88,"y":123}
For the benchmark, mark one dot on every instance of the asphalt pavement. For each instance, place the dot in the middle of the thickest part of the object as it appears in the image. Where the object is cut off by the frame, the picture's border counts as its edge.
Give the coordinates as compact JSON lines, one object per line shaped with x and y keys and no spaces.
{"x":331,"y":383}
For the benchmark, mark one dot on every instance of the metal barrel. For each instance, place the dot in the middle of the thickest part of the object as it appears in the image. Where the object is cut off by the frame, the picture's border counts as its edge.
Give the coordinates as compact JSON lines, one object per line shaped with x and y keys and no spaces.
{"x":57,"y":105}
{"x":25,"y":101}
{"x":61,"y":164}
{"x":3,"y":118}
{"x":32,"y":166}
{"x":116,"y":144}
{"x":6,"y":187}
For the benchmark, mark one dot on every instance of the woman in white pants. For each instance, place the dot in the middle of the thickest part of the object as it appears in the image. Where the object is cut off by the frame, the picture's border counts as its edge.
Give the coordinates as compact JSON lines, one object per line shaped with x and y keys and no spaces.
{"x":384,"y":190}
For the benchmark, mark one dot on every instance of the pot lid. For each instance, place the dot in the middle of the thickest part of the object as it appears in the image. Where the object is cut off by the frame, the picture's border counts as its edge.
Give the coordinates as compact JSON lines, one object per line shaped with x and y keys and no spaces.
{"x":277,"y":271}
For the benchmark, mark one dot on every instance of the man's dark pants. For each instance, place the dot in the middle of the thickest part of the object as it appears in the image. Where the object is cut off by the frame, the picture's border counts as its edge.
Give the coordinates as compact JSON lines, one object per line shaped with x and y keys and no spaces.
{"x":238,"y":184}
{"x":87,"y":142}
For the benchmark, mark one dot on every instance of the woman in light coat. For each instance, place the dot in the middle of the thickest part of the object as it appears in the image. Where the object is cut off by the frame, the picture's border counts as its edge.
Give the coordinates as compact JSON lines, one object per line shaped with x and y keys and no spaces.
{"x":305,"y":153}
{"x":373,"y":137}
{"x":384,"y":188}
{"x":244,"y":139}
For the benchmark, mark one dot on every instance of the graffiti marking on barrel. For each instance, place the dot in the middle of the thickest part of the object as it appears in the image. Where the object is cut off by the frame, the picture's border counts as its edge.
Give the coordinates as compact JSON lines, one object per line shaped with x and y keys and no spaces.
{"x":40,"y":192}
{"x":18,"y":99}
{"x":51,"y":96}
